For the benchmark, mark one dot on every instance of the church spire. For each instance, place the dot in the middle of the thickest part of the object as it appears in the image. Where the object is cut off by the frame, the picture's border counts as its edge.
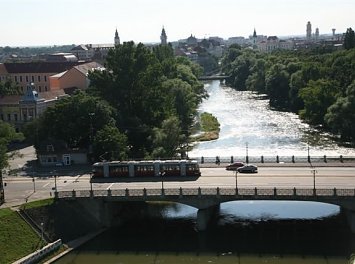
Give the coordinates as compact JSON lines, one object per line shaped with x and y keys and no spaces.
{"x":117,"y":38}
{"x":163,"y":37}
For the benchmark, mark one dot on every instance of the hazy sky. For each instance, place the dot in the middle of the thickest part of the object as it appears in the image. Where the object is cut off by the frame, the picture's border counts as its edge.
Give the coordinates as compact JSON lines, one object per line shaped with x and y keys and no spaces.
{"x":49,"y":22}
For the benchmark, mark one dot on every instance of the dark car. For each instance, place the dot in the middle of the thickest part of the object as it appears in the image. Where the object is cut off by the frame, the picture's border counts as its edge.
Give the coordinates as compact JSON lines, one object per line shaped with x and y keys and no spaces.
{"x":234,"y":166}
{"x":248,"y":168}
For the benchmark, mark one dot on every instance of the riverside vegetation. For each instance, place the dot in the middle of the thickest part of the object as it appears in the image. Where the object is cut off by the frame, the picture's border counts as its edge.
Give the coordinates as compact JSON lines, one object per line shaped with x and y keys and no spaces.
{"x":318,"y":84}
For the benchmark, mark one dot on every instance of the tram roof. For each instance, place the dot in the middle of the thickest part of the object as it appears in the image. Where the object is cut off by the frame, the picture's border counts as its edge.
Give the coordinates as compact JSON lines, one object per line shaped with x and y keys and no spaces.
{"x":145,"y":162}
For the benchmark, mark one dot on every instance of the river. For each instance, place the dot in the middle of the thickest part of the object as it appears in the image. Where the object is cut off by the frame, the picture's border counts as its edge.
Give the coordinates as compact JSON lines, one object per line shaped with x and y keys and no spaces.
{"x":246,"y":118}
{"x":245,"y":232}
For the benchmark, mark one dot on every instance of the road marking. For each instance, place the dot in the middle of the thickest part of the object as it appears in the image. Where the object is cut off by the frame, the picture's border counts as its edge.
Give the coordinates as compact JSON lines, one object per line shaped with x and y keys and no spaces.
{"x":46,"y":184}
{"x":109,"y":187}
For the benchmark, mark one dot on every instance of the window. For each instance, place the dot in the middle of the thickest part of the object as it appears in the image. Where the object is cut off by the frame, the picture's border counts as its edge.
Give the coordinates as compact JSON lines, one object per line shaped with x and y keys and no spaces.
{"x":15,"y":78}
{"x":2,"y":117}
{"x":39,"y":78}
{"x":27,"y":79}
{"x":8,"y":117}
{"x":39,"y":88}
{"x":33,"y":78}
{"x":21,"y":88}
{"x":15,"y":117}
{"x":45,"y":88}
{"x":45,"y":78}
{"x":20,"y":78}
{"x":50,"y":148}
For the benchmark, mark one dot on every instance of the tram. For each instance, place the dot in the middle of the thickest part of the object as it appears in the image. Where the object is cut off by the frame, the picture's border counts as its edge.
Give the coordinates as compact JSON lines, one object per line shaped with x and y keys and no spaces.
{"x":146,"y":169}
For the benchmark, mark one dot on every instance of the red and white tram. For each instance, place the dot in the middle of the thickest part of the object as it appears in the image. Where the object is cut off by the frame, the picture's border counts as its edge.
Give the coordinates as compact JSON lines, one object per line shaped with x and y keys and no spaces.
{"x":142,"y":169}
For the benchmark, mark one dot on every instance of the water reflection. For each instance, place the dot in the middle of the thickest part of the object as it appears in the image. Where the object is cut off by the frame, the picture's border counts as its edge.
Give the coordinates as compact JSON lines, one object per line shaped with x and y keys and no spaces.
{"x":246,"y":117}
{"x":244,"y":232}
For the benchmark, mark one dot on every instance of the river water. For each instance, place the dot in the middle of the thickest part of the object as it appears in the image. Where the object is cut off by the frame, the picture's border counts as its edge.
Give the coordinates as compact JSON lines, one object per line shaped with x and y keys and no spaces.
{"x":245,"y":232}
{"x":246,"y":118}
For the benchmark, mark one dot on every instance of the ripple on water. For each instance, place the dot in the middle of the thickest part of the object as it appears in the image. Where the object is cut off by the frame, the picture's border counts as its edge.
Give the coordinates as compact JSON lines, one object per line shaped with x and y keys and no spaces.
{"x":246,"y":117}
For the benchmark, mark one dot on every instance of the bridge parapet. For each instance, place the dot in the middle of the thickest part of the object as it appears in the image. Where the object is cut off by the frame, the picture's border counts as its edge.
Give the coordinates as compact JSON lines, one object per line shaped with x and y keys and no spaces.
{"x":204,"y":197}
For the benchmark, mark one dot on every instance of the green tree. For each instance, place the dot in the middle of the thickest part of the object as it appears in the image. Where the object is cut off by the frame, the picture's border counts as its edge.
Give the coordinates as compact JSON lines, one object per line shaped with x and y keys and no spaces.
{"x":277,"y":86}
{"x":7,"y":135}
{"x":110,"y":144}
{"x":74,"y":119}
{"x":317,"y":96}
{"x":340,"y":116}
{"x":9,"y":88}
{"x":349,"y":39}
{"x":168,"y":139}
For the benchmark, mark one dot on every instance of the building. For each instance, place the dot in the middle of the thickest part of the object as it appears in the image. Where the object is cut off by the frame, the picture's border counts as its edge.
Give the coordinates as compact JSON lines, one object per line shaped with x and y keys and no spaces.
{"x":57,"y":153}
{"x":117,"y":38}
{"x":83,"y":52}
{"x":76,"y":77}
{"x":20,"y":109}
{"x":273,"y":43}
{"x":309,"y":31}
{"x":37,"y":73}
{"x":163,"y":37}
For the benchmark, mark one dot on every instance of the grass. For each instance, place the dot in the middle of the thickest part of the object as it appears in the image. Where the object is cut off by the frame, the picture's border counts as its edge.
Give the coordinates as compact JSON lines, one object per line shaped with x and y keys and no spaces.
{"x":39,"y":203}
{"x":17,"y":239}
{"x":209,"y":126}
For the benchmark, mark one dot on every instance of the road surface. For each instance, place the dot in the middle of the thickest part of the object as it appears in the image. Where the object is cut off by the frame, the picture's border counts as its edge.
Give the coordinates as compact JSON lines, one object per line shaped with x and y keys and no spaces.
{"x":21,"y":188}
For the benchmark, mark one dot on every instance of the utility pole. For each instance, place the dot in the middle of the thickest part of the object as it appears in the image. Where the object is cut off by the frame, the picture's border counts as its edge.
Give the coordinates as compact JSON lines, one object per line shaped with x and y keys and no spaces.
{"x":236,"y":181}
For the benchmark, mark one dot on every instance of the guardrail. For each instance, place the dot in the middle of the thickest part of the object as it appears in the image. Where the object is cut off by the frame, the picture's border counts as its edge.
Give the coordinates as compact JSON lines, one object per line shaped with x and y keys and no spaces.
{"x":274,"y":159}
{"x":204,"y":192}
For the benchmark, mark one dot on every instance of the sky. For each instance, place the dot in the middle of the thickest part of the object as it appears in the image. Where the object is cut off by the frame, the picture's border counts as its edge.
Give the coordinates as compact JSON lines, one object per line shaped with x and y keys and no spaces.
{"x":58,"y":22}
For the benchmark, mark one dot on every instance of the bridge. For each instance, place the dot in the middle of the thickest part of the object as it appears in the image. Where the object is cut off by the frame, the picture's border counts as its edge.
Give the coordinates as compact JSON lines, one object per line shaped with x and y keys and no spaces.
{"x":208,"y":200}
{"x":213,"y":77}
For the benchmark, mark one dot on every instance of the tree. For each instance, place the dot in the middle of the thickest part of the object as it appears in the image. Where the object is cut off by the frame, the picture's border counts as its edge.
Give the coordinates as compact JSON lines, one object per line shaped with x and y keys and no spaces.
{"x":167,"y":139}
{"x":349,"y":39}
{"x":7,"y":134}
{"x":340,"y":116}
{"x":277,"y":86}
{"x":75,"y":120}
{"x":317,"y":96}
{"x":110,"y":144}
{"x":9,"y":88}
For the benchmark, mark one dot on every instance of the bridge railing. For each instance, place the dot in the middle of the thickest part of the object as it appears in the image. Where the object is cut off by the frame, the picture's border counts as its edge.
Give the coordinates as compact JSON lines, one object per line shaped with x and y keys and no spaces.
{"x":208,"y":192}
{"x":275,"y":159}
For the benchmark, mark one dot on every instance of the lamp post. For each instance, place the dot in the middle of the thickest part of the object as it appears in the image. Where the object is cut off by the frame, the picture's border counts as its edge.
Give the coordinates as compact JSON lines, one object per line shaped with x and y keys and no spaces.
{"x":42,"y":231}
{"x":91,"y":181}
{"x":55,"y":183}
{"x":236,"y":181}
{"x":313,"y":171}
{"x":34,"y":183}
{"x":246,"y":157}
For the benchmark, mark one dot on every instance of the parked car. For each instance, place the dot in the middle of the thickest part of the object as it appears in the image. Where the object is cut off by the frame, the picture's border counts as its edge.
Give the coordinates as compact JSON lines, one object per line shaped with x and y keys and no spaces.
{"x":248,"y":168}
{"x":234,"y":166}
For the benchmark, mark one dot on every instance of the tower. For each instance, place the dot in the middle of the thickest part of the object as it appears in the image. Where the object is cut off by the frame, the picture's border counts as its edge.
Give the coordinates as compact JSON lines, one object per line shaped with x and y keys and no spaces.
{"x":163,"y":37}
{"x":333,"y":30}
{"x":317,"y":34}
{"x":254,"y":39}
{"x":309,"y":31}
{"x":117,"y":38}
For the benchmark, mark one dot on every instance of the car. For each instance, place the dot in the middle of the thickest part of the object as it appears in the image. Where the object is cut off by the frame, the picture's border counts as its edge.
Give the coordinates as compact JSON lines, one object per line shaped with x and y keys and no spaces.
{"x":234,"y":166}
{"x":248,"y":168}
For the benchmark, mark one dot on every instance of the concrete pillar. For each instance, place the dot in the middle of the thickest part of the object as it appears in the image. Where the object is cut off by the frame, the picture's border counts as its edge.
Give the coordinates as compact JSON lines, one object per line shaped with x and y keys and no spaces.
{"x":204,"y":216}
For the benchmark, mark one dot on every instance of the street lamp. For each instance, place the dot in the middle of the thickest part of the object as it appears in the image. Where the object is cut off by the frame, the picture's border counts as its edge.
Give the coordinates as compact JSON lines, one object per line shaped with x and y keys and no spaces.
{"x":55,"y":182}
{"x":42,"y":231}
{"x":236,"y":181}
{"x":246,"y":157}
{"x":91,"y":174}
{"x":314,"y":178}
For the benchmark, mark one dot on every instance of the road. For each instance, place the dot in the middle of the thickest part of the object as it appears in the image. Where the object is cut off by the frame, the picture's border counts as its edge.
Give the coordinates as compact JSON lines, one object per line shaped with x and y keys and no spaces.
{"x":20,"y":188}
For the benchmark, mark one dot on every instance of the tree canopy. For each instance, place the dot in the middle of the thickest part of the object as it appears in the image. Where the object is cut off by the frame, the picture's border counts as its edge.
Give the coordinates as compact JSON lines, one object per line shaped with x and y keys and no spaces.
{"x":316,"y":83}
{"x":141,"y":105}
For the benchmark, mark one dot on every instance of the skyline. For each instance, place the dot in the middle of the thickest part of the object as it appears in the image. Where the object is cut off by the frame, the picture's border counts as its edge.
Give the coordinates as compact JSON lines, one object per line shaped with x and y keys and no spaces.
{"x":58,"y":22}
